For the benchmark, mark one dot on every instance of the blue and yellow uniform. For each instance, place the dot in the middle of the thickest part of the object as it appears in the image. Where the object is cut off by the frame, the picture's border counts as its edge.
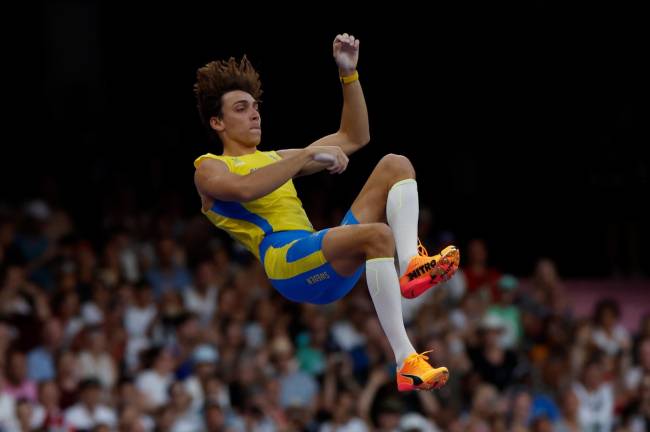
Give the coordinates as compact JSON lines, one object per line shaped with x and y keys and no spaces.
{"x":276,"y":229}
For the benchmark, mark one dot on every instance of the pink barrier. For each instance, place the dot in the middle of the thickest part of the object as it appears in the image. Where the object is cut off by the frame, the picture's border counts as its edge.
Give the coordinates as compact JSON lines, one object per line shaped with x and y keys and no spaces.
{"x":633,"y":297}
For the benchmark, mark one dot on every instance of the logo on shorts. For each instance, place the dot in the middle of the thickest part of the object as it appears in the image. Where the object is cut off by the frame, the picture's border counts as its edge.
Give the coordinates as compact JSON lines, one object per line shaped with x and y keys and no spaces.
{"x":318,"y":277}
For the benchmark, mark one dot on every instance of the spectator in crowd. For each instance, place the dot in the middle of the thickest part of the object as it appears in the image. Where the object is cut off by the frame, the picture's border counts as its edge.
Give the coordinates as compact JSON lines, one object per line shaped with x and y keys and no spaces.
{"x":89,"y":412}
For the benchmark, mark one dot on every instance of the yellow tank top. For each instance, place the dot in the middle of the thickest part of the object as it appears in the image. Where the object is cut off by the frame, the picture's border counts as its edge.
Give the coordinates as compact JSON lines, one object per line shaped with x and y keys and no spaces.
{"x":249,"y":222}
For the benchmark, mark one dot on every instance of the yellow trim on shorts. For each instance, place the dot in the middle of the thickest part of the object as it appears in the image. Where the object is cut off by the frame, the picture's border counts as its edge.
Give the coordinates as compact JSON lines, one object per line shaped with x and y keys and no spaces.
{"x":277,"y":267}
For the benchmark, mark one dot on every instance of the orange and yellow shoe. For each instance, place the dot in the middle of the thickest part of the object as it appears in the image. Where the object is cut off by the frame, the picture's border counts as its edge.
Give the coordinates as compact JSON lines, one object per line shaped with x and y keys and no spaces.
{"x":418,"y":374}
{"x":424,"y":272}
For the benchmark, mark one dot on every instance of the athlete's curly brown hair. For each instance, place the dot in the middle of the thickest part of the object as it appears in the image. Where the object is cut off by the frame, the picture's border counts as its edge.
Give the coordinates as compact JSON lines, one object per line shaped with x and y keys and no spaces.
{"x":219,"y":77}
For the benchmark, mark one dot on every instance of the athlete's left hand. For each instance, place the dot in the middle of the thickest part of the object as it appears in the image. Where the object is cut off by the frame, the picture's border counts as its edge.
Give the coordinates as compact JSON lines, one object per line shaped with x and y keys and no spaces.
{"x":346,"y":53}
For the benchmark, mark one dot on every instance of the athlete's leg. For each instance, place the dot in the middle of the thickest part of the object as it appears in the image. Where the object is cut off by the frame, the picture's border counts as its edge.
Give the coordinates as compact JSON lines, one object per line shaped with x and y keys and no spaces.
{"x":370,"y":204}
{"x":346,"y":248}
{"x":390,"y":195}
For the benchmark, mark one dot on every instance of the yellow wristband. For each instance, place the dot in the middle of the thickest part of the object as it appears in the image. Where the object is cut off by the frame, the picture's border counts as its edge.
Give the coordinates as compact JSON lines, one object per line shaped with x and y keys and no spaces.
{"x":350,"y":78}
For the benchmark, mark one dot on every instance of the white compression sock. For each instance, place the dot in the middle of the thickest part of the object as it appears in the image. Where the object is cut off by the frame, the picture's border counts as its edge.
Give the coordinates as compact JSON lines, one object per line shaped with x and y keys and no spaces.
{"x":385,"y":293}
{"x":402,"y":210}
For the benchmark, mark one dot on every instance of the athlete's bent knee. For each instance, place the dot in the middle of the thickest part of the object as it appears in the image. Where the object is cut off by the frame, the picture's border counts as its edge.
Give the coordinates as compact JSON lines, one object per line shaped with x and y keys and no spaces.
{"x":379,"y":241}
{"x":398,"y":165}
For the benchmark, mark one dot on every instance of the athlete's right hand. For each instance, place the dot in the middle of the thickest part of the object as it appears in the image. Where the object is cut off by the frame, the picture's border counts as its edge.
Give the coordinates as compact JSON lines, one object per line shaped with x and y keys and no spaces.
{"x":333,"y":157}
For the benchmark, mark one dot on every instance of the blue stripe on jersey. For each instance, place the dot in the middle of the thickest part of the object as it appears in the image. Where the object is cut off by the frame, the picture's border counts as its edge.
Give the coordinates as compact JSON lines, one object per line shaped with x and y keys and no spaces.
{"x":235,"y":210}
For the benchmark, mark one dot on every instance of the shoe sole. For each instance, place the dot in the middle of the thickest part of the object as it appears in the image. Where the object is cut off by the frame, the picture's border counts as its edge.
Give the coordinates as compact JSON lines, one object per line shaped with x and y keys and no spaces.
{"x":443,"y":271}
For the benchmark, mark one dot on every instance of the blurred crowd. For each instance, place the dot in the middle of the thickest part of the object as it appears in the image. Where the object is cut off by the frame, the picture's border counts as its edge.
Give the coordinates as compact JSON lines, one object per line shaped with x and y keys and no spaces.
{"x":162,"y":324}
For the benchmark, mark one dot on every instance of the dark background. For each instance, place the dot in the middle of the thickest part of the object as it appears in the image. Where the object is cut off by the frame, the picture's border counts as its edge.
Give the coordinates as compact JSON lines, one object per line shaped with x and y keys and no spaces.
{"x":526,"y":123}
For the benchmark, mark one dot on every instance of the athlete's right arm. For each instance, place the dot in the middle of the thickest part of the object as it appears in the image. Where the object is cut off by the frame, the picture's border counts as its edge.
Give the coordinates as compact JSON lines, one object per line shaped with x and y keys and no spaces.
{"x":214,"y":180}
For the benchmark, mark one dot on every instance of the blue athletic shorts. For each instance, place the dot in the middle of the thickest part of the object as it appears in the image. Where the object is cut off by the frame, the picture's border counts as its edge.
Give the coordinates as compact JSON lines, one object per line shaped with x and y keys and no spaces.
{"x":297,"y":268}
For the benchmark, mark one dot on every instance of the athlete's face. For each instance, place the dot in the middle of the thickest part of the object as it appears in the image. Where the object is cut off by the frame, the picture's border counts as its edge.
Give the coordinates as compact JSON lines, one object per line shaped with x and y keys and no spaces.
{"x":241,"y":120}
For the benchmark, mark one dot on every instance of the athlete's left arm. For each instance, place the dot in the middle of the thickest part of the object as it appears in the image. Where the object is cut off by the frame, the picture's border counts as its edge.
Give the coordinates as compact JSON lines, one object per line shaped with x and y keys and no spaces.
{"x":354,"y":131}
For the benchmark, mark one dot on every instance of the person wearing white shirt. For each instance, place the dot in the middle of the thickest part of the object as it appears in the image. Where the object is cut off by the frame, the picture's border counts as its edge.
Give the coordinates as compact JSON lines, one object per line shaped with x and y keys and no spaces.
{"x":95,"y":361}
{"x":596,"y":397}
{"x":88,"y":412}
{"x":138,"y":319}
{"x":155,"y":381}
{"x":139,"y":315}
{"x":609,"y":335}
{"x":201,"y":299}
